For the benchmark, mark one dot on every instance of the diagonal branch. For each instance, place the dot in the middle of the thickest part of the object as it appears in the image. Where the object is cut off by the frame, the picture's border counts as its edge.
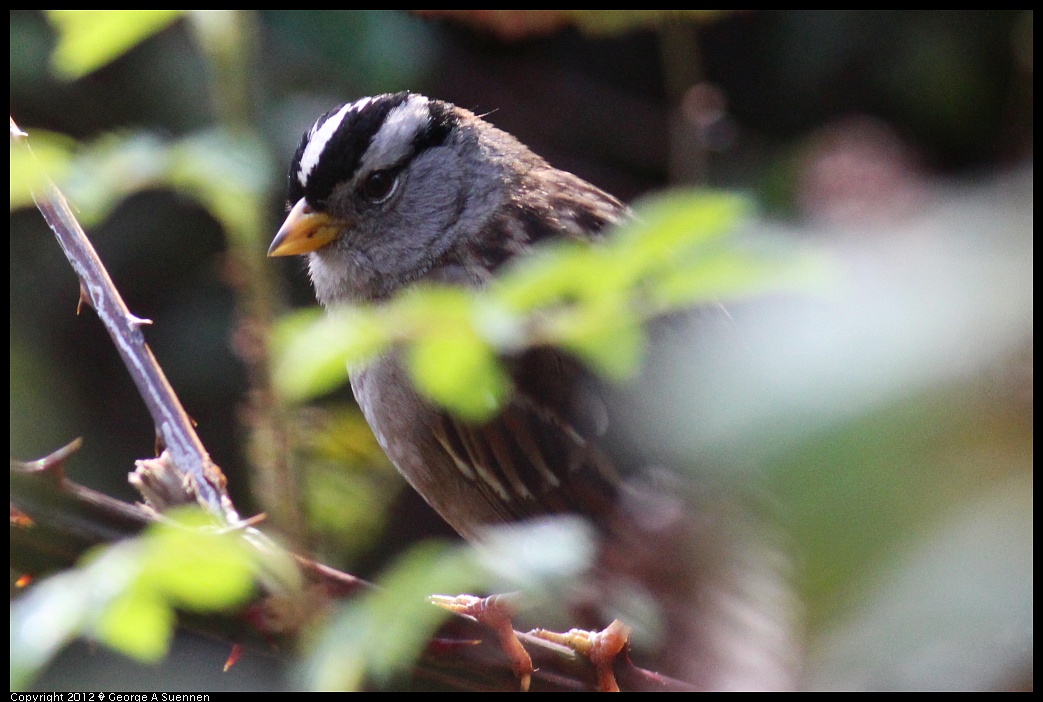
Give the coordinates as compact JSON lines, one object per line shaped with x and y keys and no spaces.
{"x":173,"y":426}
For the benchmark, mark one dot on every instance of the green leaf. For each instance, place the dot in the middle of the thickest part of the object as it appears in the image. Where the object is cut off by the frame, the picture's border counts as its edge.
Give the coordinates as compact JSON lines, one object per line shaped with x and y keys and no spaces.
{"x":378,"y":634}
{"x":349,"y":482}
{"x":591,"y":299}
{"x":199,"y":570}
{"x":461,"y":372}
{"x":224,"y":173}
{"x":138,"y":624}
{"x":732,"y":272}
{"x":555,"y":274}
{"x":229,"y":174}
{"x":430,"y":309}
{"x":111,"y":167}
{"x":612,"y":345}
{"x":89,"y":39}
{"x":667,"y":230}
{"x":313,"y":348}
{"x":670,"y":224}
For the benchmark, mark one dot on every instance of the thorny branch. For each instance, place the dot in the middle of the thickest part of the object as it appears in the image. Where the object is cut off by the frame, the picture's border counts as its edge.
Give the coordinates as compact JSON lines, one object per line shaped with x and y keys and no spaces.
{"x":173,"y":426}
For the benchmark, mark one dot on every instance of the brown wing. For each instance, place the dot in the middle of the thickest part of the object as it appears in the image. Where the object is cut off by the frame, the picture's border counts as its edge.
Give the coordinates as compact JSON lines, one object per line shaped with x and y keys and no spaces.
{"x":540,"y":455}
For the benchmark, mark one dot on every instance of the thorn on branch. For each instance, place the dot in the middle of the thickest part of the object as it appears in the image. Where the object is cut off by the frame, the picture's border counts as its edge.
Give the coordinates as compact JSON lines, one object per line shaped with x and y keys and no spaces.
{"x":53,"y":464}
{"x":138,"y":321}
{"x":85,"y":299}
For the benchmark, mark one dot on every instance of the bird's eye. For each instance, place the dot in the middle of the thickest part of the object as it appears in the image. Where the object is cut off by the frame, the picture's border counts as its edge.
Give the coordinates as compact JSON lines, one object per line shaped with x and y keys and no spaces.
{"x":379,"y":185}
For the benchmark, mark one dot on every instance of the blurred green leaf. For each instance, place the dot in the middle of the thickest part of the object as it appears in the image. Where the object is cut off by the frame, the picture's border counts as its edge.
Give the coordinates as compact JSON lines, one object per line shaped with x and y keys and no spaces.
{"x":89,"y":39}
{"x":669,"y":231}
{"x":375,"y":636}
{"x":558,"y":273}
{"x":349,"y":481}
{"x":668,"y":223}
{"x":208,"y":576}
{"x":125,"y":595}
{"x":49,"y":156}
{"x":727,"y":273}
{"x":109,"y":169}
{"x":612,"y":343}
{"x":138,"y":623}
{"x":229,"y":174}
{"x":313,"y":349}
{"x":226,"y":174}
{"x":461,"y":372}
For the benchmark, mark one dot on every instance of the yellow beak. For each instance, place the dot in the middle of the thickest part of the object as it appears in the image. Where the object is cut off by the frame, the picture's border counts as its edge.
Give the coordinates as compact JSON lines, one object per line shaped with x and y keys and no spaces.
{"x":305,"y":230}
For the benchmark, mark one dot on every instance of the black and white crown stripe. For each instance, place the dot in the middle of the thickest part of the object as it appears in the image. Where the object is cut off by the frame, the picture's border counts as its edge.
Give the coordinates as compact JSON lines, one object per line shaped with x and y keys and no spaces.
{"x":370,"y":134}
{"x":395,"y":141}
{"x":319,"y":136}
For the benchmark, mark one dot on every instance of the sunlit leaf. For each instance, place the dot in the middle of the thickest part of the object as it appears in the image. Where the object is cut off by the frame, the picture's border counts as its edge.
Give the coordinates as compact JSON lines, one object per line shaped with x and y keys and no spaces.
{"x":199,"y":570}
{"x":314,"y":348}
{"x":667,"y":230}
{"x":460,"y":372}
{"x":497,"y":323}
{"x":555,"y":274}
{"x":673,"y":223}
{"x":138,"y":623}
{"x":349,"y":483}
{"x":612,"y":346}
{"x":431,"y":309}
{"x":89,"y":39}
{"x":591,"y":299}
{"x":229,"y":174}
{"x":112,"y":167}
{"x":729,"y":273}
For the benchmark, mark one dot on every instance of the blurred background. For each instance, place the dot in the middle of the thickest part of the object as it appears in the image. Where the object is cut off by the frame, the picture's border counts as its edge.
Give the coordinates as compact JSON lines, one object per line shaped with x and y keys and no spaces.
{"x":887,"y":421}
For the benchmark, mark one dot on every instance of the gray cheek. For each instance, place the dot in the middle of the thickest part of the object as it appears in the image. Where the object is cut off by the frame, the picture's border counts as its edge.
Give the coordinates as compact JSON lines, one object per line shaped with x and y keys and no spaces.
{"x":419,"y":228}
{"x":439,"y":202}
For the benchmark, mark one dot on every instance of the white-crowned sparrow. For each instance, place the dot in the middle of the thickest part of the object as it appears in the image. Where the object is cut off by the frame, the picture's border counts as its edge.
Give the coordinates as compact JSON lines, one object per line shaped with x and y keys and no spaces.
{"x":394,"y":189}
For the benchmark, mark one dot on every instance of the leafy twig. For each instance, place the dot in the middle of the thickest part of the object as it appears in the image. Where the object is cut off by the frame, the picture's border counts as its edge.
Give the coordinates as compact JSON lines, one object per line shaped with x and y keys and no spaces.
{"x":59,"y":521}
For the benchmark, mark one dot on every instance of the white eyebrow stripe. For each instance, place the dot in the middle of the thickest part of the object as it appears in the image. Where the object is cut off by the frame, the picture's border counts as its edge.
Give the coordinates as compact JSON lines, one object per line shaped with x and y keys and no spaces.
{"x":394,"y":140}
{"x":318,"y":138}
